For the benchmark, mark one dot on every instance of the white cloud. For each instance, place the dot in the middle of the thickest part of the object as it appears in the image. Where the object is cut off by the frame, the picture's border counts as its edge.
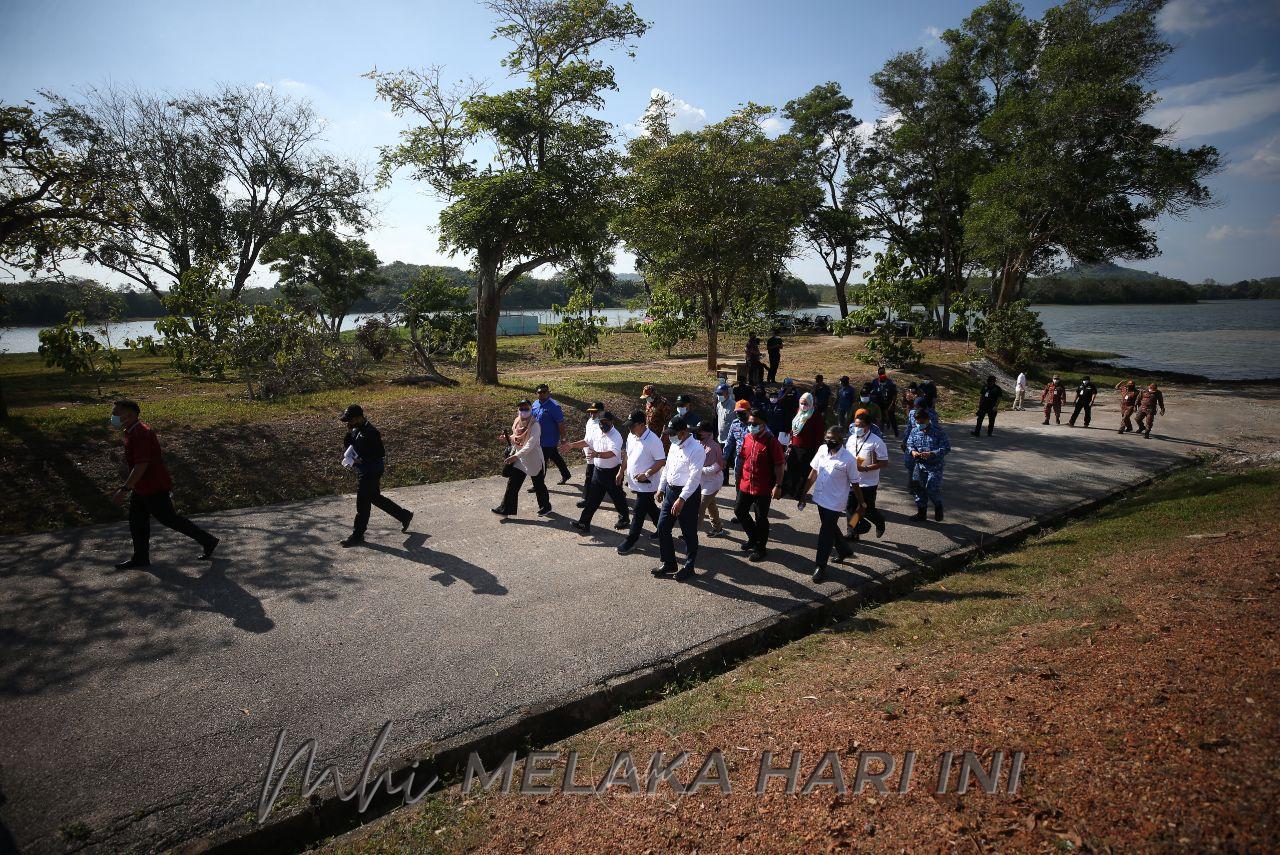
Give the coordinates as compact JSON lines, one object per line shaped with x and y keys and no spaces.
{"x":931,"y":34}
{"x":1221,"y":233}
{"x":771,"y":126}
{"x":261,"y":85}
{"x":286,"y":83}
{"x":685,"y":116}
{"x":1218,"y":104}
{"x":1263,"y":163}
{"x":1187,"y":16}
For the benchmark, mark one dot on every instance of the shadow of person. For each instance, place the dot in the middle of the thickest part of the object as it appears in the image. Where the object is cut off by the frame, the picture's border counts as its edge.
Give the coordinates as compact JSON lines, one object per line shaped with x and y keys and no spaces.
{"x":221,"y":594}
{"x":450,"y":567}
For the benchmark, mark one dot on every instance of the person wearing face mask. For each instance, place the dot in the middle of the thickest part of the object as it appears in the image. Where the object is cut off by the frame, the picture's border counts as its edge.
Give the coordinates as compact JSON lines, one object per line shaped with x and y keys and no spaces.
{"x":712,"y":477}
{"x":1149,"y":400}
{"x":724,"y":413}
{"x":732,"y":447}
{"x":1085,"y":393}
{"x":1052,"y":399}
{"x":774,"y":347}
{"x":680,"y":492}
{"x":523,"y":459}
{"x":591,"y":431}
{"x":1128,"y":403}
{"x":833,"y":478}
{"x":741,"y":390}
{"x":846,"y":397}
{"x":657,"y":412}
{"x":147,"y":486}
{"x":755,"y":368}
{"x":928,"y":446}
{"x":988,"y":405}
{"x":606,"y":450}
{"x":865,"y":402}
{"x":685,"y":411}
{"x":763,"y":462}
{"x":821,"y":395}
{"x":365,"y":443}
{"x":643,"y":459}
{"x":807,"y":429}
{"x":887,"y":390}
{"x":872,"y":455}
{"x":908,"y":461}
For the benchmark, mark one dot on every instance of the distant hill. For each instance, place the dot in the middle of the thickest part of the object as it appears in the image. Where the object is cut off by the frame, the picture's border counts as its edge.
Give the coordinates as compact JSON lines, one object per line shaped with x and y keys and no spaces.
{"x":1108,"y":270}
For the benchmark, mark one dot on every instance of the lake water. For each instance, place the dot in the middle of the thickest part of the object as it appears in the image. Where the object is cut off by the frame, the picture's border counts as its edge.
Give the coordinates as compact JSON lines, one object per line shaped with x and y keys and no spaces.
{"x":1219,"y":339}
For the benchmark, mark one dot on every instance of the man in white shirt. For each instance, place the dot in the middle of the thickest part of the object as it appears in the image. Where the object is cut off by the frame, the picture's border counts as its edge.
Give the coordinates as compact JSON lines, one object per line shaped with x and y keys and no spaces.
{"x":833,"y":477}
{"x":643,"y":459}
{"x":605,"y":451}
{"x":1019,"y":390}
{"x":591,"y":432}
{"x":680,"y":493}
{"x":872,"y":455}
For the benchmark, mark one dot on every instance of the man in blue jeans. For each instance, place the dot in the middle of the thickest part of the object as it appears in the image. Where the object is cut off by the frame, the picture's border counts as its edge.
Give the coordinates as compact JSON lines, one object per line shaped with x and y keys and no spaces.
{"x":549,"y":417}
{"x":680,"y":492}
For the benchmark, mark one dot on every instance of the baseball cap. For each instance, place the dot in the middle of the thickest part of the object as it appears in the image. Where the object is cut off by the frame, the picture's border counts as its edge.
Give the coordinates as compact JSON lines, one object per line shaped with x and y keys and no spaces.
{"x":351,"y":412}
{"x":741,"y":405}
{"x":542,"y":387}
{"x":637,"y":417}
{"x":596,"y":407}
{"x":683,"y":399}
{"x":676,"y":425}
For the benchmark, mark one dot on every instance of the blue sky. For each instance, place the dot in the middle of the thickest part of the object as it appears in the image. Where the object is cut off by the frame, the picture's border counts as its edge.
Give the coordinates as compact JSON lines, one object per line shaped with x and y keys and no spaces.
{"x":1221,"y":87}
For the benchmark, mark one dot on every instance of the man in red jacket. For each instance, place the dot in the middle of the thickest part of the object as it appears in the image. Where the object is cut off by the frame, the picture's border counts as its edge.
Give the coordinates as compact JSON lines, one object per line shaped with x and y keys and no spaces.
{"x":147,"y":487}
{"x":763,"y":462}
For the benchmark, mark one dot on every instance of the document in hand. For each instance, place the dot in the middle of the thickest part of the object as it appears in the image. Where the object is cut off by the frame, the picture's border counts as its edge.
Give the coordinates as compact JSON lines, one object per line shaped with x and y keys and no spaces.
{"x":349,"y":459}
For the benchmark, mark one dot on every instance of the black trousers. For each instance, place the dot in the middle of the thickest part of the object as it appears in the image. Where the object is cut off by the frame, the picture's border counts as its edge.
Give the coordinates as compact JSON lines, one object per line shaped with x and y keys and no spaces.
{"x":1082,"y":406}
{"x":757,"y":529}
{"x":160,"y":506}
{"x":552,"y":455}
{"x":604,"y":481}
{"x":688,"y":520}
{"x":797,"y":471}
{"x":586,"y":485}
{"x":990,"y":416}
{"x":775,"y":356}
{"x":829,"y":536}
{"x":871,"y":515}
{"x":511,"y":499}
{"x":755,"y":372}
{"x":368,"y":494}
{"x":646,"y":506}
{"x":890,"y":418}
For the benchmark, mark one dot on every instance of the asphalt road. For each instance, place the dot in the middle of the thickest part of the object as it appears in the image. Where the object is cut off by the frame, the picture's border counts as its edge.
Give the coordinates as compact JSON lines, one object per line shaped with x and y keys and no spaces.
{"x":139,"y":708}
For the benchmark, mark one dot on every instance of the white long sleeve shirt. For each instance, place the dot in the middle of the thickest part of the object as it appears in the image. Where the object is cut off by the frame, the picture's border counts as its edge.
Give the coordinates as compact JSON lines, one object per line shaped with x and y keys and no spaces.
{"x":684,"y":467}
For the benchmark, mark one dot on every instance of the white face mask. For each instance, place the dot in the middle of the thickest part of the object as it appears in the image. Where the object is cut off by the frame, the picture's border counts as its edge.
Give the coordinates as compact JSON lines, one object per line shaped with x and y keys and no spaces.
{"x":864,"y":398}
{"x":682,"y":410}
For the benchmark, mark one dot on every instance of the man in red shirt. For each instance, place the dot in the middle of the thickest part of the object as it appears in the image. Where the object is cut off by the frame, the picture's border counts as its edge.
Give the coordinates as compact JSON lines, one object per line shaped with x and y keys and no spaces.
{"x":763,"y":461}
{"x":147,"y":487}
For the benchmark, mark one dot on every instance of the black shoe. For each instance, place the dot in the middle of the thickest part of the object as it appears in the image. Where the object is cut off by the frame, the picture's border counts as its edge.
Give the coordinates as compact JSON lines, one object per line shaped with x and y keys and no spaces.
{"x":683,"y":573}
{"x":990,"y":432}
{"x":937,"y":513}
{"x":580,"y":526}
{"x":407,"y":520}
{"x":850,"y":534}
{"x":564,"y":480}
{"x":1147,"y":434}
{"x":880,"y":529}
{"x":529,"y":490}
{"x":653,"y":535}
{"x":922,"y":513}
{"x":664,"y":570}
{"x":975,"y":433}
{"x":747,"y":546}
{"x":621,"y":524}
{"x":500,"y":511}
{"x":208,"y":549}
{"x":1120,"y":431}
{"x":542,"y":512}
{"x":625,"y":548}
{"x":1046,"y":421}
{"x":819,"y":574}
{"x":353,"y":540}
{"x":132,"y":563}
{"x":757,"y":556}
{"x":582,"y":503}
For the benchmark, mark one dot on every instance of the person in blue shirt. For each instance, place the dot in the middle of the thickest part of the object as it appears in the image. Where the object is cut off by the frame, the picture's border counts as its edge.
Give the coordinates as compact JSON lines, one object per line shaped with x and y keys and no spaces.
{"x":549,"y":417}
{"x":927,"y":447}
{"x":733,"y":442}
{"x":907,"y":460}
{"x":846,"y":397}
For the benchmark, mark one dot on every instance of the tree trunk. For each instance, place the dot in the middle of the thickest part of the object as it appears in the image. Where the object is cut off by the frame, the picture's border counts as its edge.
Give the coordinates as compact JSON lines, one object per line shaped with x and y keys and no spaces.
{"x":4,"y":405}
{"x":713,"y":340}
{"x":488,"y":304}
{"x":842,"y":298}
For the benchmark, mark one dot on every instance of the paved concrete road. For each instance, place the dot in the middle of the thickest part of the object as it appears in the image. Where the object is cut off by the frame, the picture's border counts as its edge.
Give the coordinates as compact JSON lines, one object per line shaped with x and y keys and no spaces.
{"x":140,"y":708}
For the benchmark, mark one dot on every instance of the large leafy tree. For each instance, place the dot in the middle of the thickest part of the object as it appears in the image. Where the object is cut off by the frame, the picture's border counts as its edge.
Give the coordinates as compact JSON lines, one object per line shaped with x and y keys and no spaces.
{"x":712,"y":214}
{"x":323,"y":272}
{"x":527,"y":172}
{"x":206,"y":178}
{"x":1076,"y":171}
{"x":823,"y":119}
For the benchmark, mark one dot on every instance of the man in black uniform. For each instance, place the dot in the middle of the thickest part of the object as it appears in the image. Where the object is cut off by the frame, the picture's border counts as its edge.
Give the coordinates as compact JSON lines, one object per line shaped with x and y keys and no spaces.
{"x":774,"y":346}
{"x":365,"y":443}
{"x":988,"y":404}
{"x":1085,"y":393}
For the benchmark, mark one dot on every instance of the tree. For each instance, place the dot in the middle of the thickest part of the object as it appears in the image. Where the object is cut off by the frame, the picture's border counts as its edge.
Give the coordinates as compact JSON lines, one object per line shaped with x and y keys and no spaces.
{"x":545,"y":189}
{"x":888,"y":299}
{"x":321,"y":272}
{"x":74,"y":348}
{"x":669,"y":320}
{"x":711,"y":214}
{"x":206,"y":178}
{"x":433,"y":312}
{"x":1012,"y":333}
{"x":1078,"y":170}
{"x":824,"y":120}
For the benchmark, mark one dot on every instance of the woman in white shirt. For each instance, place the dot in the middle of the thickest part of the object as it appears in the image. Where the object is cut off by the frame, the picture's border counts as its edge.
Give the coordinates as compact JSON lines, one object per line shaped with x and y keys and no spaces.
{"x":872,"y":455}
{"x":834,"y":474}
{"x":524,"y":458}
{"x":712,"y":476}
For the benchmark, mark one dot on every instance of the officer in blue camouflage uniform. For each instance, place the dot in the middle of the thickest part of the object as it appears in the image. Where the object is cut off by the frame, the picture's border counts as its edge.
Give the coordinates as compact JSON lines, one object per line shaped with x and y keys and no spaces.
{"x":927,"y":447}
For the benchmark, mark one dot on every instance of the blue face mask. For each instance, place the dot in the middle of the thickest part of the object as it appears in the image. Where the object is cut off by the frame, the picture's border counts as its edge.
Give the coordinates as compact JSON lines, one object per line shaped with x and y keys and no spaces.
{"x":115,"y":422}
{"x":755,"y":428}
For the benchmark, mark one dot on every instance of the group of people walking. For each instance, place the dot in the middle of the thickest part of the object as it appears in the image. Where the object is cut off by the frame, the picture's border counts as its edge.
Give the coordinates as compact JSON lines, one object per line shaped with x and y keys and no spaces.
{"x":766,"y":444}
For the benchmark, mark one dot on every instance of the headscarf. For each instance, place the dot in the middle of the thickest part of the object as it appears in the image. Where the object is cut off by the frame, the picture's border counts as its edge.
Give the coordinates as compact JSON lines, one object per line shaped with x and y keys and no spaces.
{"x":520,"y":428}
{"x":802,"y":414}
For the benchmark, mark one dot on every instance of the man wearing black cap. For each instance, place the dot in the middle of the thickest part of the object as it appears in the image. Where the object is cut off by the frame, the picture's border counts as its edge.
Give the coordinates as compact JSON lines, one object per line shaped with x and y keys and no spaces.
{"x":363,"y":445}
{"x":642,"y":460}
{"x":591,"y":431}
{"x":605,"y":453}
{"x":684,"y":411}
{"x":1085,"y":393}
{"x":680,"y":492}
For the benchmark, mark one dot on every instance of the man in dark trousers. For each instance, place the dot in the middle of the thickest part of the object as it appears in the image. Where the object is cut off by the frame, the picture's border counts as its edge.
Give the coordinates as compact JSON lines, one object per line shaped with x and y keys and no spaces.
{"x":549,"y":416}
{"x":763,"y":464}
{"x":680,"y":493}
{"x":363,"y":447}
{"x":988,"y":404}
{"x":1053,"y":397}
{"x":774,"y":347}
{"x":1149,"y":400}
{"x":1085,"y":393}
{"x":147,"y":486}
{"x":888,"y":391}
{"x":605,"y":451}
